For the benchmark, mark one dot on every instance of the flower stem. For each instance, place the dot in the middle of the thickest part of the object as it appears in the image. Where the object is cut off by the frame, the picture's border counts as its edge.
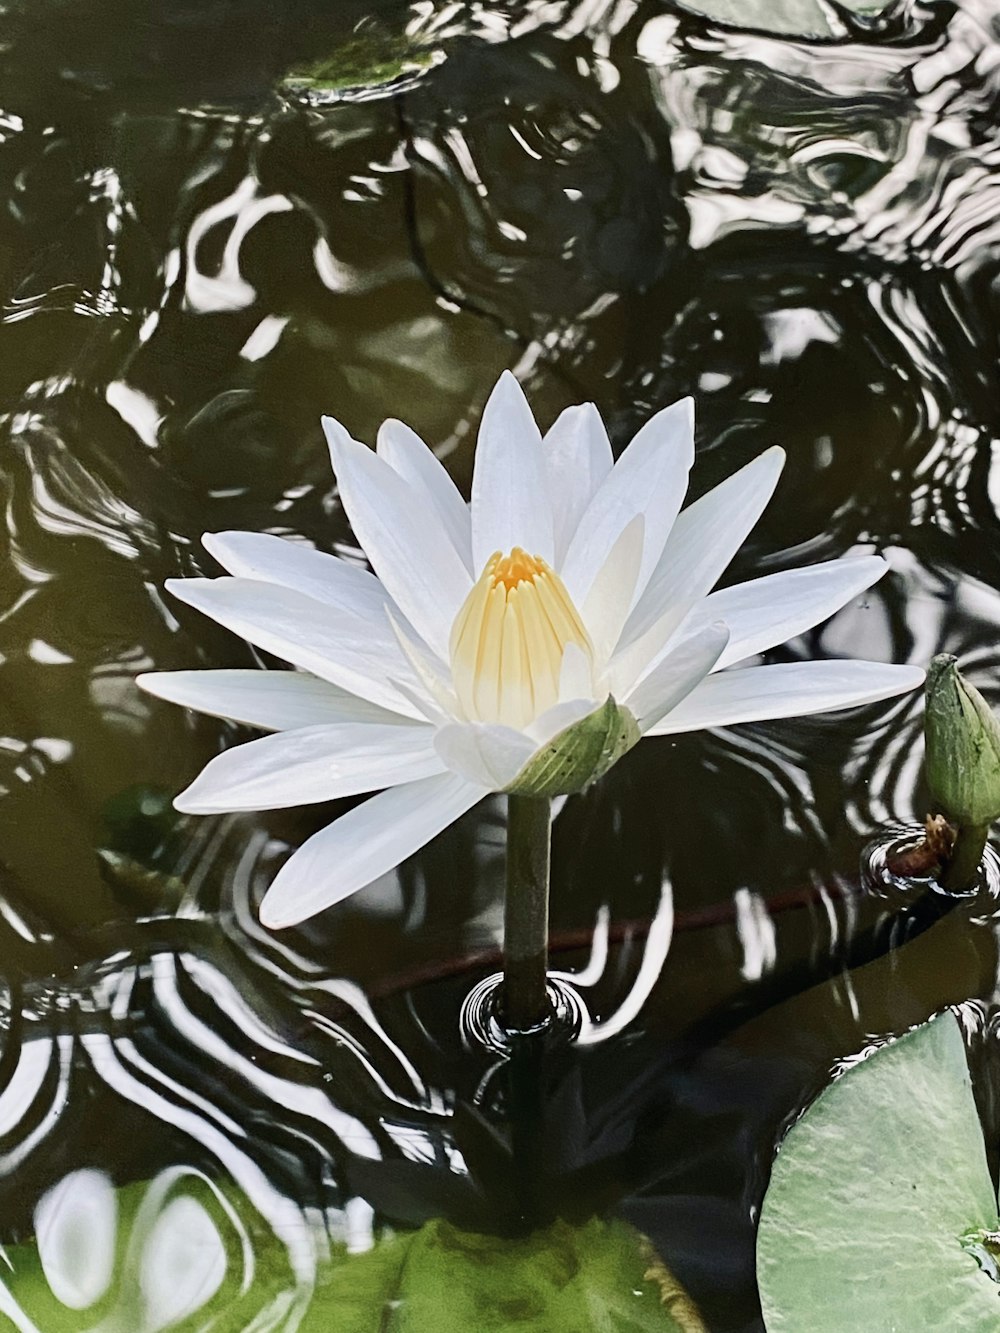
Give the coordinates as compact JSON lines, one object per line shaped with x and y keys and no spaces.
{"x":963,"y":864}
{"x":526,"y":913}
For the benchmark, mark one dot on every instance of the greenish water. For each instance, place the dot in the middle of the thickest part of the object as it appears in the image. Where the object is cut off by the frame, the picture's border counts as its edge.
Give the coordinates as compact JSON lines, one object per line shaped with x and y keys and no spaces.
{"x":200,"y":255}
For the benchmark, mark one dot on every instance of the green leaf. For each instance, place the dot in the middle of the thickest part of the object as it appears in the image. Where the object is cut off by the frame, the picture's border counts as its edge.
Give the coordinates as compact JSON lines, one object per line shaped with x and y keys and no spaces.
{"x":180,"y":1252}
{"x":602,"y":1277}
{"x":872,"y":1195}
{"x":374,"y":58}
{"x":794,"y":18}
{"x":357,"y":1293}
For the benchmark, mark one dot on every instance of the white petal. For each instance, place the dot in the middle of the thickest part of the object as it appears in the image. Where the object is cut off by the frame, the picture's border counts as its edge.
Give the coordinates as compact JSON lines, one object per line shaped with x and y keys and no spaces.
{"x":330,"y":644}
{"x":559,"y":717}
{"x":311,"y":764}
{"x":676,"y":676}
{"x":576,"y":679}
{"x":420,"y":569}
{"x":606,"y":608}
{"x":701,"y":544}
{"x":754,"y":694}
{"x":490,"y":755}
{"x":650,"y":478}
{"x":434,"y":677}
{"x":270,"y":559}
{"x":776,"y":608}
{"x":425,"y":706}
{"x":577,"y":455}
{"x":271,"y":700}
{"x":363,"y":844}
{"x":405,"y":451}
{"x":510,"y":498}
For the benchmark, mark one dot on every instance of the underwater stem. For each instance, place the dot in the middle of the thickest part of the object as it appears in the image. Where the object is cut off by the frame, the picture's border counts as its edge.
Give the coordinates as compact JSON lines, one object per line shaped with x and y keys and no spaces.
{"x":962,"y":866}
{"x":526,"y":913}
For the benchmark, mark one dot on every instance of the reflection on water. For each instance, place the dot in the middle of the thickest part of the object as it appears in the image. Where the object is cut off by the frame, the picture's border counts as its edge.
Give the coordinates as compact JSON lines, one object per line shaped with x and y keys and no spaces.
{"x":886,"y":873}
{"x":174,"y":1263}
{"x":622,"y":203}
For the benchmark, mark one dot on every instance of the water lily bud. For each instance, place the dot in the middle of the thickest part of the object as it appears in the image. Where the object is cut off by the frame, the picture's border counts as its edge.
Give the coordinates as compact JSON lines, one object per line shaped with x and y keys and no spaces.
{"x":963,"y":746}
{"x":580,"y":754}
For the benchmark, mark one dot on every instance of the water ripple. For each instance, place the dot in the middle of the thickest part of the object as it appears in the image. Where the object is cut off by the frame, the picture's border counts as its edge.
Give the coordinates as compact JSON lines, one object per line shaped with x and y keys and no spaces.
{"x":193,"y":267}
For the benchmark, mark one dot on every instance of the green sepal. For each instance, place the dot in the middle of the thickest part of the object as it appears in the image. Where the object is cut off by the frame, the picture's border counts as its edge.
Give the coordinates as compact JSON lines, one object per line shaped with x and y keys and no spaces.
{"x":963,"y":746}
{"x":580,"y":755}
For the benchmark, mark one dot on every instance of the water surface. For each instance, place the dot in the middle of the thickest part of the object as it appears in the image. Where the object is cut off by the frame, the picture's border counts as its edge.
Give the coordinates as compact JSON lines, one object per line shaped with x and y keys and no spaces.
{"x":624,"y":203}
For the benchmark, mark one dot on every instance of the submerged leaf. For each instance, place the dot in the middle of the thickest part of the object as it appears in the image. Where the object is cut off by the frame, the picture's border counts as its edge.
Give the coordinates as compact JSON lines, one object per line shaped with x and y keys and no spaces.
{"x":174,"y":1253}
{"x":138,"y":885}
{"x":373,"y":60}
{"x":873,"y":1195}
{"x":601,"y":1276}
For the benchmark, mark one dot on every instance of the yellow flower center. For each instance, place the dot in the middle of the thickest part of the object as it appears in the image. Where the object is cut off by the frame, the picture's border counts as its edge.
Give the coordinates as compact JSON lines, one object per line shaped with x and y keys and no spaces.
{"x":508,"y":640}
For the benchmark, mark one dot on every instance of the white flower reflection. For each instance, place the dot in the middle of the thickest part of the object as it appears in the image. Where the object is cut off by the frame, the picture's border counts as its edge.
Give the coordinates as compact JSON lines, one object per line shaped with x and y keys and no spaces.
{"x":76,"y":1224}
{"x":149,"y":1273}
{"x":183,"y":1263}
{"x":573,"y":596}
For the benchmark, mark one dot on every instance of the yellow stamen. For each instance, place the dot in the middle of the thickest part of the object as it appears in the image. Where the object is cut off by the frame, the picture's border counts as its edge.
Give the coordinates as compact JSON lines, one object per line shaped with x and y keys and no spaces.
{"x":508,"y":640}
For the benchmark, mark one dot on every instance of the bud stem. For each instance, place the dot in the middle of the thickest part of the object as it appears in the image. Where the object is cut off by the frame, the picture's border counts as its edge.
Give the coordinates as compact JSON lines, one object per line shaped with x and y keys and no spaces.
{"x":526,"y":913}
{"x":962,"y":866}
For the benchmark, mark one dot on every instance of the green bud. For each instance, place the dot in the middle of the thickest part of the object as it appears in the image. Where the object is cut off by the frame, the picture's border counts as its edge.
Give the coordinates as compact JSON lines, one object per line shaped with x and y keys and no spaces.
{"x":580,"y":755}
{"x":963,"y":746}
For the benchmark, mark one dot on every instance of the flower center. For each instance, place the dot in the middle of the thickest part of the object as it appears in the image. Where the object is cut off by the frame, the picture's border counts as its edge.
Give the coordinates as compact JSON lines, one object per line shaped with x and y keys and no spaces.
{"x":508,"y":640}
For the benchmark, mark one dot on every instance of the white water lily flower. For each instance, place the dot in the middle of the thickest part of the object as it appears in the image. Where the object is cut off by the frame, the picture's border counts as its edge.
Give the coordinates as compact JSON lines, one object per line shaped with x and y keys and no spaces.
{"x":520,"y":644}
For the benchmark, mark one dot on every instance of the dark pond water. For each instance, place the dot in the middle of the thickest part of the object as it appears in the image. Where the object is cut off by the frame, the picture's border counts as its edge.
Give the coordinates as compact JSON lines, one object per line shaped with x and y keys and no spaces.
{"x":623,"y":203}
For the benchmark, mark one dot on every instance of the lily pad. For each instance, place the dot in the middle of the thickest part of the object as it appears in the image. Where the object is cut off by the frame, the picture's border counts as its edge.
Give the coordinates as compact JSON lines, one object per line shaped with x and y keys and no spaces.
{"x":374,"y":61}
{"x":787,"y":18}
{"x":601,"y":1276}
{"x":874,"y":1195}
{"x":180,"y":1253}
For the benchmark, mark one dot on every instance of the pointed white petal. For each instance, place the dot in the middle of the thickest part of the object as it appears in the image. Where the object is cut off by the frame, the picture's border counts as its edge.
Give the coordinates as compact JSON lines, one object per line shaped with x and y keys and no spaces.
{"x":433,"y":675}
{"x":559,"y":717}
{"x":650,"y":478}
{"x":272,"y":700}
{"x":510,"y":498}
{"x":776,"y":608}
{"x":366,"y":842}
{"x":490,"y":755}
{"x":420,"y":569}
{"x":754,"y":694}
{"x":335,"y":646}
{"x":311,"y":764}
{"x":404,"y":451}
{"x":576,"y":679}
{"x":676,"y":676}
{"x":701,"y":544}
{"x":577,"y":455}
{"x":270,"y":559}
{"x":606,"y":608}
{"x":424,"y":705}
